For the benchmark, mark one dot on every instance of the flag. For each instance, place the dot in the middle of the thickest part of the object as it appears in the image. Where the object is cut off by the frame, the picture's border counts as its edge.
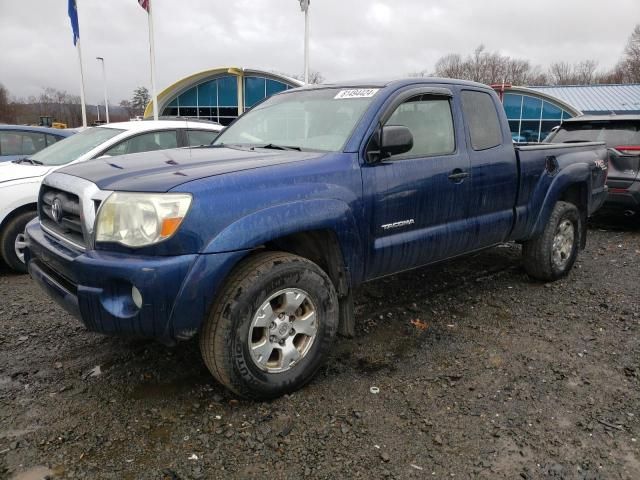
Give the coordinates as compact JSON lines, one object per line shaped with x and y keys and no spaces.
{"x":144,"y":4}
{"x":73,"y":16}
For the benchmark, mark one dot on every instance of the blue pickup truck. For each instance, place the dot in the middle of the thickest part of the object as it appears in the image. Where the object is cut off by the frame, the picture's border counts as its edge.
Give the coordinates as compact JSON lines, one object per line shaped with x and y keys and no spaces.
{"x":256,"y":243}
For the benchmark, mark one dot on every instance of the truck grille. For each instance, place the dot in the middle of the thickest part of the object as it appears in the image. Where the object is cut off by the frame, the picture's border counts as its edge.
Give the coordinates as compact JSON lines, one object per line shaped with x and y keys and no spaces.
{"x":60,"y":212}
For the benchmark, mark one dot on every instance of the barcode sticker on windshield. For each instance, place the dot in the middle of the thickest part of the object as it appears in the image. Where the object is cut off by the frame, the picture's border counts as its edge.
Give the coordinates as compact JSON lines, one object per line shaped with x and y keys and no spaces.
{"x":357,"y":93}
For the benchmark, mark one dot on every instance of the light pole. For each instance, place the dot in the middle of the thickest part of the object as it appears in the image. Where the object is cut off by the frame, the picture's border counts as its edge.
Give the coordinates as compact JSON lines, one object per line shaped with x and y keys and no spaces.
{"x":304,"y":6}
{"x":104,"y":79}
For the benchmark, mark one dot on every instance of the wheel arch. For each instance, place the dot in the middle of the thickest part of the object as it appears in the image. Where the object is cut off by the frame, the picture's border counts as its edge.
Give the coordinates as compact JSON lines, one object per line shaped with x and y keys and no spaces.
{"x":323,"y":230}
{"x":570,"y":185}
{"x":28,"y":207}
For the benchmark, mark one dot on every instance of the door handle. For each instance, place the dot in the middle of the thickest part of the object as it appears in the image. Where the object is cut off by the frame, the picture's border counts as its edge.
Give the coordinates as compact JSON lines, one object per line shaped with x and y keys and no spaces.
{"x":458,"y":175}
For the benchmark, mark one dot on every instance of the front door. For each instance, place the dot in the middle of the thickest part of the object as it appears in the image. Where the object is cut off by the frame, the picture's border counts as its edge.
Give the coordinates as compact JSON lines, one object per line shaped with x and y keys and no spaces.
{"x":417,"y":201}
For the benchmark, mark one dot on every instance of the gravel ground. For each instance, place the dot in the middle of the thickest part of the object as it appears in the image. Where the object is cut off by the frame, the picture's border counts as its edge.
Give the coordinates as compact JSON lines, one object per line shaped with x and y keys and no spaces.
{"x":481,"y":373}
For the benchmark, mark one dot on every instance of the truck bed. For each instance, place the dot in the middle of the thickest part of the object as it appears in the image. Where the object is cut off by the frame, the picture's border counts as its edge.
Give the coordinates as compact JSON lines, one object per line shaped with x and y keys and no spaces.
{"x":538,"y":165}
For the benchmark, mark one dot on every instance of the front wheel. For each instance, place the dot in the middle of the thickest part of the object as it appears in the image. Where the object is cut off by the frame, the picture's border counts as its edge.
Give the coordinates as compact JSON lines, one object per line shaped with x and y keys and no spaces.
{"x":271,"y":326}
{"x":12,"y":241}
{"x":551,"y":255}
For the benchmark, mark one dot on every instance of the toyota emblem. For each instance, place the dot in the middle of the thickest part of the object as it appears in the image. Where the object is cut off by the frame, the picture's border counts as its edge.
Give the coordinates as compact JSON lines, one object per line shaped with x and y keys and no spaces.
{"x":56,"y":210}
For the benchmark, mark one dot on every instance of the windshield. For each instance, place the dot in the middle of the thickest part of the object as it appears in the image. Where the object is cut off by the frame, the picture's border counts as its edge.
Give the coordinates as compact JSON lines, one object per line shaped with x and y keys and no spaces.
{"x":73,"y":147}
{"x":614,"y":134}
{"x":320,"y":120}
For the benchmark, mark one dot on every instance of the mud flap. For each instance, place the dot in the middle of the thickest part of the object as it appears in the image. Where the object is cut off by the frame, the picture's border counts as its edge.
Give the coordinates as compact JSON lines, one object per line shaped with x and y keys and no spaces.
{"x":347,"y":319}
{"x":583,"y":230}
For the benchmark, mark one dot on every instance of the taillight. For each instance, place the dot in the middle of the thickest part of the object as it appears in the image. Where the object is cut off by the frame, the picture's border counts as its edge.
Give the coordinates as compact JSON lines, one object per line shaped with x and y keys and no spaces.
{"x":628,"y":149}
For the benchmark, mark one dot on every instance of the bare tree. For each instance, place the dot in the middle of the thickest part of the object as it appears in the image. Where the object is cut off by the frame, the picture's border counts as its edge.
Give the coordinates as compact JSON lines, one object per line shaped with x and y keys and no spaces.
{"x":585,"y":72}
{"x":561,"y":73}
{"x":126,"y":105}
{"x":450,"y":66}
{"x":315,"y":77}
{"x":7,"y":112}
{"x":488,"y":67}
{"x":628,"y":69}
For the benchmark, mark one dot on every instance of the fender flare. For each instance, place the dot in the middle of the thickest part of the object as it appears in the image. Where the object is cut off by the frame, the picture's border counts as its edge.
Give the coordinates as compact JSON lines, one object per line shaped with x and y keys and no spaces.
{"x":575,"y":174}
{"x":262,"y":226}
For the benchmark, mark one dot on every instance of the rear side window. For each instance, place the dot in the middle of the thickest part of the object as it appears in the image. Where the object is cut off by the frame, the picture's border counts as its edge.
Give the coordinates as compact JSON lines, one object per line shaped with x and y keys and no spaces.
{"x":482,"y":119}
{"x":15,"y":142}
{"x":198,"y":138}
{"x":613,"y":133}
{"x":146,"y":142}
{"x":431,"y":124}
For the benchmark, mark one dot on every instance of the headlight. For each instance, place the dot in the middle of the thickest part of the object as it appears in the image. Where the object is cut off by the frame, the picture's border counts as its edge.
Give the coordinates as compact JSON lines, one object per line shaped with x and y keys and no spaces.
{"x":140,"y":219}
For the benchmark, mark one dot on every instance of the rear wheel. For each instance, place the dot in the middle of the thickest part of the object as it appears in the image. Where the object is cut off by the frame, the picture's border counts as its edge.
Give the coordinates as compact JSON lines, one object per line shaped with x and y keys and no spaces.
{"x":552,"y":254}
{"x":12,"y":241}
{"x":271,"y":326}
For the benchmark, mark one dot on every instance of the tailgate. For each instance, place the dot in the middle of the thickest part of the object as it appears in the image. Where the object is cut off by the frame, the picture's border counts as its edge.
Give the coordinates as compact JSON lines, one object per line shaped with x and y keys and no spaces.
{"x":624,"y":165}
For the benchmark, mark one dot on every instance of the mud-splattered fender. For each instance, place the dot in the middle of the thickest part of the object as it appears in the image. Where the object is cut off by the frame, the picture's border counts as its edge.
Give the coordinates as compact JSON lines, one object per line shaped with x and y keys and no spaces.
{"x":549,"y":190}
{"x":277,"y":221}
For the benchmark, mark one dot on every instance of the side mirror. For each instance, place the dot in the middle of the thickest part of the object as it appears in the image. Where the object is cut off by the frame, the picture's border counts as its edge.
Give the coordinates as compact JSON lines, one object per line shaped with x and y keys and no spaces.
{"x":395,"y":139}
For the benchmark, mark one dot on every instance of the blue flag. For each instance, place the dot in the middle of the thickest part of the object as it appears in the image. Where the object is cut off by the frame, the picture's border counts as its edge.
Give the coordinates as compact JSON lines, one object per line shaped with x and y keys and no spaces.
{"x":73,"y":16}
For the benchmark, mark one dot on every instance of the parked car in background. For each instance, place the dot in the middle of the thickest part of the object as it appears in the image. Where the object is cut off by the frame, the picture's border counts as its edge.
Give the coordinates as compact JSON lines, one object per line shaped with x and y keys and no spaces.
{"x":19,"y":141}
{"x":20,"y":179}
{"x":621,"y":133}
{"x":257,"y":243}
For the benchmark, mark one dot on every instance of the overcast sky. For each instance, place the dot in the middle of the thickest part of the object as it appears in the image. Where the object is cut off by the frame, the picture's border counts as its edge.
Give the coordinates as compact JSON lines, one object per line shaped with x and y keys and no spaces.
{"x":349,"y":38}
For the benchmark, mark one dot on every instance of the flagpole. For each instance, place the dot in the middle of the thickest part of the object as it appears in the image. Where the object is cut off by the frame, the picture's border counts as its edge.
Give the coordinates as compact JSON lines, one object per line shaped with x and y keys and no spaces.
{"x":153,"y":62}
{"x":82,"y":102}
{"x":306,"y":43}
{"x":73,"y":14}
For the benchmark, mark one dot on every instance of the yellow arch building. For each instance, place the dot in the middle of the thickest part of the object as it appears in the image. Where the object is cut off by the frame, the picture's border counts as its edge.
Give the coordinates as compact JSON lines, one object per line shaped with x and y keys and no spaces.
{"x":219,"y":94}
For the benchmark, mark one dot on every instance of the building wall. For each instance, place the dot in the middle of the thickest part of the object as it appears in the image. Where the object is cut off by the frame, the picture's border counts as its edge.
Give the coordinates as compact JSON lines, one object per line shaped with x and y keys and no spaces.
{"x":219,"y":95}
{"x":532,"y":117}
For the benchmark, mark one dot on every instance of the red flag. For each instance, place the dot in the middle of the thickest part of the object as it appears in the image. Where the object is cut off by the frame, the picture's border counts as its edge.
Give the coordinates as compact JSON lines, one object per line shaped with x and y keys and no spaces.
{"x":144,"y":4}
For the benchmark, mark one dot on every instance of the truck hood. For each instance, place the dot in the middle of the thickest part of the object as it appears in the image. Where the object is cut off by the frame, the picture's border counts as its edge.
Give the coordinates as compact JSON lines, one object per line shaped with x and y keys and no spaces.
{"x":162,"y":170}
{"x":10,"y":171}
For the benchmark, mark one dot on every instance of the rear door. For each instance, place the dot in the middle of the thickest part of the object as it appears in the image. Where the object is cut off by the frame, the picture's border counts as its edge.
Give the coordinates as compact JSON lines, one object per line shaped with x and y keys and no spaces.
{"x":417,"y":201}
{"x":493,"y":184}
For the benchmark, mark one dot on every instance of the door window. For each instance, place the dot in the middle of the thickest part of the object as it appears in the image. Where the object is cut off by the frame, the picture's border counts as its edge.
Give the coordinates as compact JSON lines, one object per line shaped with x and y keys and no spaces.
{"x":51,"y":139}
{"x":21,"y":143}
{"x":482,"y":119}
{"x":145,"y":142}
{"x":430,"y":121}
{"x":198,"y":138}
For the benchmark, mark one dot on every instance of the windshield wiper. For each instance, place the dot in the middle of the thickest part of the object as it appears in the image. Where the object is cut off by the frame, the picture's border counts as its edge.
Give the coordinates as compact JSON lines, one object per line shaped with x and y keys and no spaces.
{"x":28,"y":160}
{"x":577,"y":141}
{"x":233,"y":146}
{"x":273,"y":146}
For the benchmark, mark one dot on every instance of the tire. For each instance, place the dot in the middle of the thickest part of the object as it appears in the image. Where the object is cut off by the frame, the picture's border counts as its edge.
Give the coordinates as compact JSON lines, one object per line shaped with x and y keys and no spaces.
{"x":546,"y":262}
{"x":260,"y":290}
{"x":8,"y":237}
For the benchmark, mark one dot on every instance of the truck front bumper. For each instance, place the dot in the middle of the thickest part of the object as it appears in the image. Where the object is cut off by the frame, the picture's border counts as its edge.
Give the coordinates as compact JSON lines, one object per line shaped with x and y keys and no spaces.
{"x":98,"y":287}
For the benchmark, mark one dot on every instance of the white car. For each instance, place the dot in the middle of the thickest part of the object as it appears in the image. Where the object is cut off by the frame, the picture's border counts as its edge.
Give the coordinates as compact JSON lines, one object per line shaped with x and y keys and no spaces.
{"x":20,"y":180}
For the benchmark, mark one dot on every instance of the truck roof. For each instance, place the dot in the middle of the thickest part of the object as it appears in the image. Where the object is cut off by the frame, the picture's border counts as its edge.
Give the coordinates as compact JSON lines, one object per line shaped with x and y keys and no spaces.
{"x":397,"y":82}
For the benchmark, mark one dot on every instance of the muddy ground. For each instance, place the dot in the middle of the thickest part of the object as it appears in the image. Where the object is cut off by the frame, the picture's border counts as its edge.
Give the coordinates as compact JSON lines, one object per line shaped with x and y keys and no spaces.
{"x":482,"y":373}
